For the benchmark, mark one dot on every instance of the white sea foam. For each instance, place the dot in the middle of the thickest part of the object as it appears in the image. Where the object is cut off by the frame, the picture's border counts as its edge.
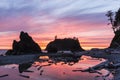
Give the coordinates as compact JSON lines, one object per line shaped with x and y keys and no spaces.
{"x":2,"y":51}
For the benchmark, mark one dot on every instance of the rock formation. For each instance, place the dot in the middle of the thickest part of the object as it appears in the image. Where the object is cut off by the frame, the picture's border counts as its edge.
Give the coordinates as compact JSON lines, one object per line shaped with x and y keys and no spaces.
{"x":26,"y":45}
{"x":66,"y":44}
{"x":115,"y":43}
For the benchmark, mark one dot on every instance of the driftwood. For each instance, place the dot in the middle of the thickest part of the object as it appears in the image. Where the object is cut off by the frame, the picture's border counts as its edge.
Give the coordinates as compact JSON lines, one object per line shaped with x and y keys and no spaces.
{"x":5,"y":75}
{"x":113,"y":62}
{"x":29,"y":71}
{"x":25,"y":76}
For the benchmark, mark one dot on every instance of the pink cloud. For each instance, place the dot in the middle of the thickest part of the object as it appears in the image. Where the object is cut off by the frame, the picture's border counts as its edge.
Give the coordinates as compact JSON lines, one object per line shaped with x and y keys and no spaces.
{"x":43,"y":33}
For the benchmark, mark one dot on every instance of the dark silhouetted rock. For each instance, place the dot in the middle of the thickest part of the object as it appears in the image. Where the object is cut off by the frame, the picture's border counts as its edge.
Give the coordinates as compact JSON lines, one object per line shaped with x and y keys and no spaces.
{"x":115,"y":43}
{"x":24,"y":46}
{"x":66,"y":44}
{"x":24,"y":66}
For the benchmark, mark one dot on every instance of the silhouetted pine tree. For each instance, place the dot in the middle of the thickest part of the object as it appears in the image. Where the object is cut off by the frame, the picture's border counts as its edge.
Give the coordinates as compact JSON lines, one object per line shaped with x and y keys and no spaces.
{"x":115,"y":22}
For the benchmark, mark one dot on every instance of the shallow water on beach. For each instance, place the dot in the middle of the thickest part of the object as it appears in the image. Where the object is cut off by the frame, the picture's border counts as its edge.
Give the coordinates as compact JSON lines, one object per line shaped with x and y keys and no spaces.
{"x":56,"y":71}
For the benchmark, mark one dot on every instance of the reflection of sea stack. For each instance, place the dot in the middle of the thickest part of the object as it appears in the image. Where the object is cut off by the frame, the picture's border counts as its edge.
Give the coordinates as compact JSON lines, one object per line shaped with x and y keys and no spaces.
{"x":66,"y":44}
{"x":25,"y":45}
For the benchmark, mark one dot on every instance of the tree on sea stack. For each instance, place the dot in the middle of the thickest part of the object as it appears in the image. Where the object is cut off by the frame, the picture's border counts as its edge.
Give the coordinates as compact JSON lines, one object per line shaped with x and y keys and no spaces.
{"x":115,"y":22}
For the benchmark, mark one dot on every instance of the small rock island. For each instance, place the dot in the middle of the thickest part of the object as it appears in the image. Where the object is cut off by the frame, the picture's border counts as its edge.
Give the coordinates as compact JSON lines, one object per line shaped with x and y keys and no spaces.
{"x":66,"y":44}
{"x":26,"y":45}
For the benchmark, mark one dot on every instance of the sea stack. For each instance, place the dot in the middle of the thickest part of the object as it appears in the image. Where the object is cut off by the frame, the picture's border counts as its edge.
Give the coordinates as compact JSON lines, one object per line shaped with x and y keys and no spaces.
{"x":115,"y":43}
{"x":66,"y":44}
{"x":26,"y":45}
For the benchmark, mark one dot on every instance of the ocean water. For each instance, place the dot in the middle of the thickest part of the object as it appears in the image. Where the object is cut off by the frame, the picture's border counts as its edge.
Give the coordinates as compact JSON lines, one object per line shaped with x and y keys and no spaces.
{"x":58,"y":71}
{"x":3,"y":51}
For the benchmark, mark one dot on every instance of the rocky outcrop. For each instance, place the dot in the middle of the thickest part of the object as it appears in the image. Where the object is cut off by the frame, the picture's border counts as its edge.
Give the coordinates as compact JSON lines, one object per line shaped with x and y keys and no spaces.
{"x":67,"y":44}
{"x":115,"y":22}
{"x":26,"y":45}
{"x":115,"y":43}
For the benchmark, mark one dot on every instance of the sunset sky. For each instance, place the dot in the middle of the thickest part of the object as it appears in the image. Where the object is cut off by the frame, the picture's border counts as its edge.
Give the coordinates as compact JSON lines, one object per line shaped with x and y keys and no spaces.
{"x":43,"y":19}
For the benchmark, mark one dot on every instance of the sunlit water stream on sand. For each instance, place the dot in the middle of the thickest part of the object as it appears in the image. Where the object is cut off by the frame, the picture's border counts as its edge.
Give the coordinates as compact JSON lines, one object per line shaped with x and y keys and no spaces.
{"x":58,"y":71}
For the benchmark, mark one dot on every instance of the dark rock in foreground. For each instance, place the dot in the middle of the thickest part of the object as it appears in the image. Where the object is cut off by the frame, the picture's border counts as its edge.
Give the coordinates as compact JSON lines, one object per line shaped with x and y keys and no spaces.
{"x":66,"y":44}
{"x":24,"y":46}
{"x":24,"y":66}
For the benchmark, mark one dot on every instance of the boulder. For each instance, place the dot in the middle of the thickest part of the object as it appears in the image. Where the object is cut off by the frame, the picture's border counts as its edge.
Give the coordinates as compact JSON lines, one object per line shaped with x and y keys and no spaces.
{"x":26,"y":45}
